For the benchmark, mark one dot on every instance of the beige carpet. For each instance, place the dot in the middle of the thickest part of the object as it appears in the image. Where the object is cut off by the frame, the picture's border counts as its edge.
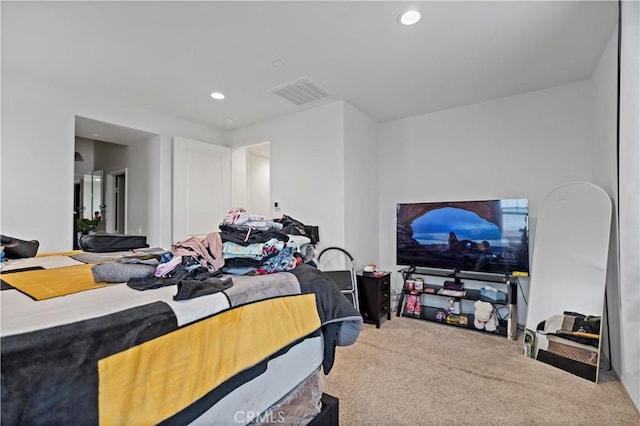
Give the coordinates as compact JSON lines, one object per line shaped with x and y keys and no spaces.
{"x":413,"y":372}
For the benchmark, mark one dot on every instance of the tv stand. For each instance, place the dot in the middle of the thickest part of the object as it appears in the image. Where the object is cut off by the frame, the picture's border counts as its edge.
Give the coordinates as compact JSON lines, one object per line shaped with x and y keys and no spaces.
{"x":507,"y":324}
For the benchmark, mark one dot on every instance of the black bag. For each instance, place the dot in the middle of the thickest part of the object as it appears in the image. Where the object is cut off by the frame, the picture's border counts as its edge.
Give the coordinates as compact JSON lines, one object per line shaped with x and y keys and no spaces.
{"x":103,"y":243}
{"x":15,"y":248}
{"x":295,"y":227}
{"x":312,"y":233}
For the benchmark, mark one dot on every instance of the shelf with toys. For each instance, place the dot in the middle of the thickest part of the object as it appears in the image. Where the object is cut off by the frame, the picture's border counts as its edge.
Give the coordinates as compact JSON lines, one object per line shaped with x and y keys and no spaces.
{"x":468,"y":304}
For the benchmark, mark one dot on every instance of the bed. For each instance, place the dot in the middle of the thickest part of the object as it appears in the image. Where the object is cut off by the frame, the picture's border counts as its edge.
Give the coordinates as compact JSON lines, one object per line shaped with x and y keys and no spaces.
{"x":253,"y":353}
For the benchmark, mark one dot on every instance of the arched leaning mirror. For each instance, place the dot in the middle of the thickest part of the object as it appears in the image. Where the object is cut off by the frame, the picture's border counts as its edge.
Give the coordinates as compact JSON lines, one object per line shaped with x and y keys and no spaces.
{"x":567,"y":284}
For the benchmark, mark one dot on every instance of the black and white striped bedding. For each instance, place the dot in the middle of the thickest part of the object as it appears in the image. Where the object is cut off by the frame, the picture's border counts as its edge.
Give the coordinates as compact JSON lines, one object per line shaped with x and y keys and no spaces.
{"x":61,"y":357}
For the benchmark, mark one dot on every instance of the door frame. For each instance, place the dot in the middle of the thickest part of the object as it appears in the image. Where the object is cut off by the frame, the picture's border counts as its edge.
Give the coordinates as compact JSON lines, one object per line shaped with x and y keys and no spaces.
{"x":110,"y":193}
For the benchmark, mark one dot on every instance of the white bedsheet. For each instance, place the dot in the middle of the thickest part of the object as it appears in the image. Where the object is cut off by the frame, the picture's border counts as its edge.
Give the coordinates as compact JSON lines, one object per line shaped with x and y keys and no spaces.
{"x":21,"y":314}
{"x":45,"y":262}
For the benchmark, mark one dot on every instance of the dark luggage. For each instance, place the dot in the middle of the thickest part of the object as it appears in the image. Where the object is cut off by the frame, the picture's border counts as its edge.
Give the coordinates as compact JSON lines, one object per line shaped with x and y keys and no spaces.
{"x":15,"y":248}
{"x":104,"y":243}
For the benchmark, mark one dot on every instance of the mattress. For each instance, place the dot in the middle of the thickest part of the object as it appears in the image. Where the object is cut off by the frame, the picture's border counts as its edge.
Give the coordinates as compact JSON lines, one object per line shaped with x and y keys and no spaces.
{"x":115,"y":355}
{"x":249,"y":401}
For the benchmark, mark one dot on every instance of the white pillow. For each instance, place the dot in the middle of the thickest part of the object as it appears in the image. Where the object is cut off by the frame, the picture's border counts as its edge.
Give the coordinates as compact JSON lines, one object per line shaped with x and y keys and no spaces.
{"x":297,"y":241}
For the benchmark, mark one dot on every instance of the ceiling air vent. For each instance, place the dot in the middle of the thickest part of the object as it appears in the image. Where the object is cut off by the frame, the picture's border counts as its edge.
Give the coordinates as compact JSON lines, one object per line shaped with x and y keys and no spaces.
{"x":300,"y":91}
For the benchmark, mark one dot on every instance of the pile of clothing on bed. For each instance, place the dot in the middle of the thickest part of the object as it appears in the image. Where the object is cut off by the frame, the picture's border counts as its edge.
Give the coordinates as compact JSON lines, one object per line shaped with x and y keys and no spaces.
{"x":255,"y":244}
{"x":247,"y":244}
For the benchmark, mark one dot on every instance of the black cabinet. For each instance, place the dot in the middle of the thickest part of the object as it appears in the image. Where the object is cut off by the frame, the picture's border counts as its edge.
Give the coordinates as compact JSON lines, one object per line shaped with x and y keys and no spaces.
{"x":415,"y":303}
{"x":374,"y":296}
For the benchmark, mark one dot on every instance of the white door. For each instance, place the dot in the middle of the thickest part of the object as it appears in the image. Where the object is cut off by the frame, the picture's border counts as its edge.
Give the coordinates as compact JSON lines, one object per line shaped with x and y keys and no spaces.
{"x":201,"y":187}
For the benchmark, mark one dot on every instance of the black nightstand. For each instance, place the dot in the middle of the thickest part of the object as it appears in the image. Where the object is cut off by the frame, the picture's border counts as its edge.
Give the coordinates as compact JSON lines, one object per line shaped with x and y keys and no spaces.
{"x":374,"y":297}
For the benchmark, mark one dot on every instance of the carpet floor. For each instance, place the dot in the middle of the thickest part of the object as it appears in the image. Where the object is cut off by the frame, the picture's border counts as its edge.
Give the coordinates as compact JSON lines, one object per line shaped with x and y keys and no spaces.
{"x":413,"y":372}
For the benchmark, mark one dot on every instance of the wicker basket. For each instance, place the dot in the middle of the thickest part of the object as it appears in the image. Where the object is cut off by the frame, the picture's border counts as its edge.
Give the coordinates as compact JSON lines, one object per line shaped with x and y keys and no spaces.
{"x":586,"y":356}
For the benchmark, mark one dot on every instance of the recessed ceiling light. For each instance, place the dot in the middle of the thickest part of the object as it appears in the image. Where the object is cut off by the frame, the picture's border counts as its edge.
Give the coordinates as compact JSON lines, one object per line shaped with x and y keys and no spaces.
{"x":217,"y":96}
{"x":278,"y":63}
{"x":410,"y":17}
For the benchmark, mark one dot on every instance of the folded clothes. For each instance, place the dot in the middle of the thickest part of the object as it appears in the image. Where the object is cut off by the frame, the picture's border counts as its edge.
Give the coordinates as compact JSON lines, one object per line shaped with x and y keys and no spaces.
{"x":250,"y":236}
{"x":146,"y":259}
{"x":118,"y":272}
{"x":192,"y":289}
{"x":150,"y":283}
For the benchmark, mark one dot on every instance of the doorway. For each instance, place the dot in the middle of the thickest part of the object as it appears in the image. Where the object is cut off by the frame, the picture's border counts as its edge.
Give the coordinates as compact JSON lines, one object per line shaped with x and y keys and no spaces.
{"x":120,"y":203}
{"x":77,"y":202}
{"x":251,"y":181}
{"x":129,"y":159}
{"x":116,"y":202}
{"x":259,"y":178}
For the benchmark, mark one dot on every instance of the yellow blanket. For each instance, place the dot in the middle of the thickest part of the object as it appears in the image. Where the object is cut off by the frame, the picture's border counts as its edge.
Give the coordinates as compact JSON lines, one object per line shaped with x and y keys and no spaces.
{"x":61,"y":253}
{"x":47,"y":283}
{"x":150,"y":382}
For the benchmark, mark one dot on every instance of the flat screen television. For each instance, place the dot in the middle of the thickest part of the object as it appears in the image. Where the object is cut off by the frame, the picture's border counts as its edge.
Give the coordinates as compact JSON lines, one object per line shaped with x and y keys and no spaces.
{"x":489,"y":236}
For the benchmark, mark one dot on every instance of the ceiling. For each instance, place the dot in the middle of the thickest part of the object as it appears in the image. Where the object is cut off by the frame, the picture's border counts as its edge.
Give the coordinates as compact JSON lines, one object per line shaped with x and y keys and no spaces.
{"x":169,"y":56}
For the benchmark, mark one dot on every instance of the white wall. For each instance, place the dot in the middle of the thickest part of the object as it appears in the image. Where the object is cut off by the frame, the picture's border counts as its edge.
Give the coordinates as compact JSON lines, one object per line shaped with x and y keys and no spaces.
{"x":37,"y":157}
{"x":604,"y":82}
{"x":86,"y":149}
{"x":630,"y":198}
{"x":307,"y":166}
{"x":324,"y":171}
{"x":141,"y":177}
{"x":112,"y":157}
{"x":517,"y":147}
{"x":361,"y":171}
{"x":622,"y":293}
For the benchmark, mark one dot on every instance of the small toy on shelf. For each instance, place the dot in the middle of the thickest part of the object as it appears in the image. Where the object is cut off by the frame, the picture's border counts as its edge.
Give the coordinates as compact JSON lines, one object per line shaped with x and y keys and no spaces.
{"x":484,"y":317}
